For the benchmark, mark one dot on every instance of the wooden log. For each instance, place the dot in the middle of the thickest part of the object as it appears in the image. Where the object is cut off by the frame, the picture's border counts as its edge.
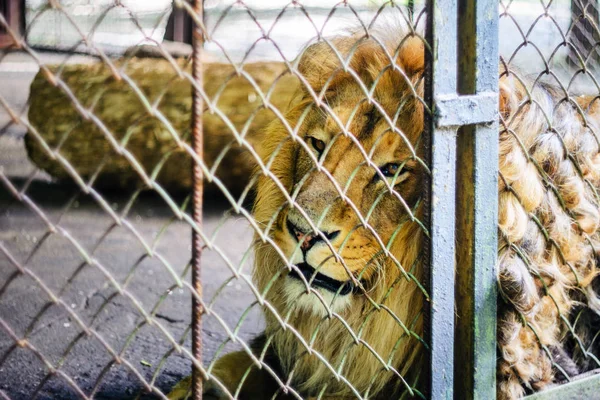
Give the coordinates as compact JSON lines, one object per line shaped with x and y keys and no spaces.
{"x":126,"y":114}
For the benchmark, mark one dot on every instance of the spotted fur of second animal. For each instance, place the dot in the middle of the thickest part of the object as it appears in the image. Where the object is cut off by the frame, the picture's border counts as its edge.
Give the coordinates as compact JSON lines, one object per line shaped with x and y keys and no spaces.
{"x":548,"y":225}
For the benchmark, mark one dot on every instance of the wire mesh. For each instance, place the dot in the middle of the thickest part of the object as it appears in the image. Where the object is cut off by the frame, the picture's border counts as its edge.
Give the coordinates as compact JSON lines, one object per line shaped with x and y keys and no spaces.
{"x":96,"y":265}
{"x":319,"y":248}
{"x":315,"y":213}
{"x":78,"y":319}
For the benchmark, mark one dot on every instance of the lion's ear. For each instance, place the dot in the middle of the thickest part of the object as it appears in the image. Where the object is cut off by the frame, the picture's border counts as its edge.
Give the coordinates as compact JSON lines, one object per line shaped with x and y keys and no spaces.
{"x":321,"y":66}
{"x":411,"y":56}
{"x":317,"y":63}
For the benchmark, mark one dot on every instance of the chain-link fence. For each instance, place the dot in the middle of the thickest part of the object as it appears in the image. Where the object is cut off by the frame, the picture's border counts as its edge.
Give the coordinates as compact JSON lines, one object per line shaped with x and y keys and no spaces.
{"x":280,"y":209}
{"x":548,"y":221}
{"x":114,"y":139}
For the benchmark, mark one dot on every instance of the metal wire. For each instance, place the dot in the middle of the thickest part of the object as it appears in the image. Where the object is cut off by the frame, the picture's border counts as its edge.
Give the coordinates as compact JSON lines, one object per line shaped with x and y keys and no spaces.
{"x":91,"y":182}
{"x":98,"y":165}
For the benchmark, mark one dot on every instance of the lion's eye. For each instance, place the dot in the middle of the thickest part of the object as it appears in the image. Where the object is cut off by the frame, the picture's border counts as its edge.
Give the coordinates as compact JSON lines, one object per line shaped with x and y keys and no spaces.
{"x":389,"y":170}
{"x":317,"y":144}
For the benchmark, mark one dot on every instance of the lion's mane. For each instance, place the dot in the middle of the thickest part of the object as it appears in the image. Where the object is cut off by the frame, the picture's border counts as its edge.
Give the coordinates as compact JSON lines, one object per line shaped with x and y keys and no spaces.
{"x":367,"y":347}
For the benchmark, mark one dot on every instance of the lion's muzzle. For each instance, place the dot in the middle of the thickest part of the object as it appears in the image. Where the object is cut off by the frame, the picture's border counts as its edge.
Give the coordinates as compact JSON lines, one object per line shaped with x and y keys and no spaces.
{"x":308,"y":240}
{"x":318,"y":280}
{"x":304,"y":271}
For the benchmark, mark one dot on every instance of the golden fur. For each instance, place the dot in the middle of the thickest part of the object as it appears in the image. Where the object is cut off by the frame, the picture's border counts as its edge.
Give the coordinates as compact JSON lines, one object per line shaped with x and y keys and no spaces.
{"x":369,"y":342}
{"x":342,"y":208}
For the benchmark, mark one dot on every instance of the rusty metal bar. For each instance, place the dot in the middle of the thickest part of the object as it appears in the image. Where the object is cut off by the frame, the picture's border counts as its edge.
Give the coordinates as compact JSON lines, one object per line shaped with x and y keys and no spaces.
{"x":197,"y":144}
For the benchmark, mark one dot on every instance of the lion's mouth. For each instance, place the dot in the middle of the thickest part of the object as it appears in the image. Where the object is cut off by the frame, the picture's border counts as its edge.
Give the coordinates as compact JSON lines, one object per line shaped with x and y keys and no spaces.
{"x":319,"y":280}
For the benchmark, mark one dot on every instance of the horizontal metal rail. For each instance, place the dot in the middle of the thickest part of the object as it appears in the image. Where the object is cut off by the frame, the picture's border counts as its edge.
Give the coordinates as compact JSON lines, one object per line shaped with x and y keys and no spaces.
{"x":457,"y":110}
{"x":582,"y":388}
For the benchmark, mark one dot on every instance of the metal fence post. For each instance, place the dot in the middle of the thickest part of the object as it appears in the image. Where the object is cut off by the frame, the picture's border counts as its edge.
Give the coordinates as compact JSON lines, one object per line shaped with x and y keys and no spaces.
{"x":462,"y":89}
{"x":197,"y":144}
{"x":584,"y":34}
{"x":441,"y":80}
{"x":13,"y":12}
{"x":179,"y":27}
{"x":477,"y":207}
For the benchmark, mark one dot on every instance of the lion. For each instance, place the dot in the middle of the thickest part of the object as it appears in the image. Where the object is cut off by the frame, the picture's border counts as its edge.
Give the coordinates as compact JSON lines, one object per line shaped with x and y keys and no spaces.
{"x":341,"y":257}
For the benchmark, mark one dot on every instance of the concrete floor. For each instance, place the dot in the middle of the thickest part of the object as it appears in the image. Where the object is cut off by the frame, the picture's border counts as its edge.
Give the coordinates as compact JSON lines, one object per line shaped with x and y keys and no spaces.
{"x":88,"y":291}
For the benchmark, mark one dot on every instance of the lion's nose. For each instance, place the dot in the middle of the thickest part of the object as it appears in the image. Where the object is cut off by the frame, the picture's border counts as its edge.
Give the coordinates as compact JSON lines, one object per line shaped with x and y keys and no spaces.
{"x":308,"y":239}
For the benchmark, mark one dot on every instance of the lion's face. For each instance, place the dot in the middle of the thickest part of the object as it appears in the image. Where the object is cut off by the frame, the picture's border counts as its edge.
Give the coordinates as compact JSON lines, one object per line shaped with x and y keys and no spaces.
{"x":355,"y":190}
{"x":355,"y":175}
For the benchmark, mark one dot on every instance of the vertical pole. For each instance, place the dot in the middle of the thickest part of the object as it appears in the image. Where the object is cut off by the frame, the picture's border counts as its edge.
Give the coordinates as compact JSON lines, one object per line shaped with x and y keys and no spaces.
{"x":13,"y":12}
{"x":584,"y":34}
{"x":197,"y":144}
{"x":441,"y":80}
{"x":179,"y":26}
{"x":477,"y":208}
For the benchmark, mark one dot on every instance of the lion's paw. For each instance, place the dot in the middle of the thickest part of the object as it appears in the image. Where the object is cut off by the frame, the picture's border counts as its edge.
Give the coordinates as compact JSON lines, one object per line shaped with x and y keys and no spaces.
{"x":211,"y":391}
{"x":183,"y":391}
